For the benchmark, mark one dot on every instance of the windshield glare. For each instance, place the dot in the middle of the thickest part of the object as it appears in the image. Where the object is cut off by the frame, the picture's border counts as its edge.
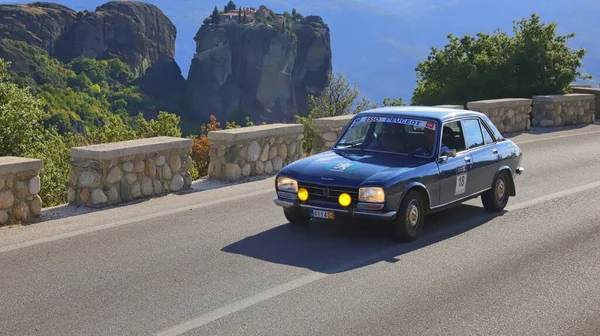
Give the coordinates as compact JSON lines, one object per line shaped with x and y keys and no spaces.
{"x":390,"y":134}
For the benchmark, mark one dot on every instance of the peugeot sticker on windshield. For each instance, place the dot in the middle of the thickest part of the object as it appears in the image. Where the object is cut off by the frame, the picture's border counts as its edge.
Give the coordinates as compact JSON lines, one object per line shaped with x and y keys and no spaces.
{"x":413,"y":122}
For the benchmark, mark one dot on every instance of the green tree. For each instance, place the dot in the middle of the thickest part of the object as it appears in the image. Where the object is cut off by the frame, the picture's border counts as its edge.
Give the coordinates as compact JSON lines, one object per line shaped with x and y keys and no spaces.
{"x":487,"y":66}
{"x":230,"y":6}
{"x":20,"y":117}
{"x":338,"y":98}
{"x":240,"y":16}
{"x":165,"y":124}
{"x":215,"y":17}
{"x":393,"y":102}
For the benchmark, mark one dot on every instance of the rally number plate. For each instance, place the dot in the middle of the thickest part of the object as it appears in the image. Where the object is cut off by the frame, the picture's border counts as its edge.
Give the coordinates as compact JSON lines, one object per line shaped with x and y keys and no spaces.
{"x":322,"y":214}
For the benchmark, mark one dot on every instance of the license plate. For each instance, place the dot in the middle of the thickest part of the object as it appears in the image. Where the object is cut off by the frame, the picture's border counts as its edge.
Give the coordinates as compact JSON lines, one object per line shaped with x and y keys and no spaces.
{"x":322,"y":214}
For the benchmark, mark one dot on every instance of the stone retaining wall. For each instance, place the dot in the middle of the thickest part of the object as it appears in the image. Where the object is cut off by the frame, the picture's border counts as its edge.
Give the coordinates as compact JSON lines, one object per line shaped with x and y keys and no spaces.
{"x":563,"y":110}
{"x":508,"y":115}
{"x":327,"y":131}
{"x":19,"y":188}
{"x":109,"y":174}
{"x":254,"y":150}
{"x":590,"y":90}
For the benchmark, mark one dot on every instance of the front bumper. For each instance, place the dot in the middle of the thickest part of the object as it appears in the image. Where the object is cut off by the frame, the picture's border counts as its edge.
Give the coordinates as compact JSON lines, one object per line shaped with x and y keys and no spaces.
{"x":352,"y":212}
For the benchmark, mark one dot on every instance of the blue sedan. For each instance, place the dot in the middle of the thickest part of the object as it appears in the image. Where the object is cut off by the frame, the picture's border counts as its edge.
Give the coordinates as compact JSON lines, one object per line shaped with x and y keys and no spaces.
{"x":398,"y":164}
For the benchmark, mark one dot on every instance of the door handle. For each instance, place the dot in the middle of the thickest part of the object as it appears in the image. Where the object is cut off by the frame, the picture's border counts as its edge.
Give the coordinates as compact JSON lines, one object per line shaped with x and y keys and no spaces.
{"x":495,"y":151}
{"x":468,"y":159}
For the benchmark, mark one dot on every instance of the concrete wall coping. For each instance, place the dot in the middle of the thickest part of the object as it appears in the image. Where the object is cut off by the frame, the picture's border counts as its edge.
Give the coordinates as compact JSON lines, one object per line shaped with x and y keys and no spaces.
{"x":130,"y":148}
{"x":13,"y":164}
{"x":503,"y":102}
{"x":255,"y":132}
{"x":581,"y":85}
{"x":337,"y":121}
{"x":589,"y":90}
{"x":563,"y":97}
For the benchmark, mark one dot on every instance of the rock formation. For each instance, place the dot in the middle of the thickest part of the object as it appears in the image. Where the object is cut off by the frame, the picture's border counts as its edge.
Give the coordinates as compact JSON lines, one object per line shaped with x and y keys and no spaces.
{"x":138,"y":33}
{"x":261,"y":71}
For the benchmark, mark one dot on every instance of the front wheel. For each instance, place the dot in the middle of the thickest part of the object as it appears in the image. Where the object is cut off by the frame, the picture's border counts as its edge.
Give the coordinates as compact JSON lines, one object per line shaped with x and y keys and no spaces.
{"x":495,"y":199}
{"x":410,"y":219}
{"x":296,"y":218}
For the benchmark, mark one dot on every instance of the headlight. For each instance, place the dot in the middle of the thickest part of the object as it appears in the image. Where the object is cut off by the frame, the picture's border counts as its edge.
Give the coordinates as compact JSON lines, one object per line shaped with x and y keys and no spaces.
{"x":287,"y":184}
{"x":371,"y":195}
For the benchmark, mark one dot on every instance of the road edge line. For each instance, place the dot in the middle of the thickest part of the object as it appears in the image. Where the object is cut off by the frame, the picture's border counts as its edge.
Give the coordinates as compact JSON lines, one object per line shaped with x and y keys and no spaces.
{"x":66,"y":235}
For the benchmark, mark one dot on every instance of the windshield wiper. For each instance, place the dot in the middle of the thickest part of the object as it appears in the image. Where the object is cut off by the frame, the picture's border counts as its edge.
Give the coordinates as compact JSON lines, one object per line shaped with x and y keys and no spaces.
{"x":348,"y":145}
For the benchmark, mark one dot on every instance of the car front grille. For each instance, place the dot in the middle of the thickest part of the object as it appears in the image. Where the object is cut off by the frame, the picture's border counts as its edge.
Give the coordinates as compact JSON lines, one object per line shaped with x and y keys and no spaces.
{"x":323,"y":195}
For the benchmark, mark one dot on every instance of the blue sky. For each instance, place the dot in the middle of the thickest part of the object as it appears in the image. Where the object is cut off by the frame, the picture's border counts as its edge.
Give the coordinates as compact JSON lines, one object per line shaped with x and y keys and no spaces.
{"x":378,"y":43}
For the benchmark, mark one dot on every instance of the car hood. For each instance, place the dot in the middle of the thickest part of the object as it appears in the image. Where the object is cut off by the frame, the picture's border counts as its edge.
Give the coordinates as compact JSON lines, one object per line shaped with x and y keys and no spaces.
{"x":350,"y":168}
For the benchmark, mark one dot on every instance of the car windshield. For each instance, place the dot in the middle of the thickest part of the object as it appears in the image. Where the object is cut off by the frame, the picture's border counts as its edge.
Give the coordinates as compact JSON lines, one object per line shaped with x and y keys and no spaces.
{"x":398,"y":135}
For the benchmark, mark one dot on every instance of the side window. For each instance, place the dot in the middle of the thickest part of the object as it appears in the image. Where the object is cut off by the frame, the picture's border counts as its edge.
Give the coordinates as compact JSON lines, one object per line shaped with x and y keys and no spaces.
{"x":453,"y":137}
{"x":473,"y":133}
{"x":486,"y":134}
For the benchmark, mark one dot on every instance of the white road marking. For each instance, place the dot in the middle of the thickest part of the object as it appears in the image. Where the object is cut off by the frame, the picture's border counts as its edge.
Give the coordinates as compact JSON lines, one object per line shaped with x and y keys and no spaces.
{"x":234,"y":307}
{"x":555,"y":137}
{"x":130,"y":221}
{"x":553,"y":196}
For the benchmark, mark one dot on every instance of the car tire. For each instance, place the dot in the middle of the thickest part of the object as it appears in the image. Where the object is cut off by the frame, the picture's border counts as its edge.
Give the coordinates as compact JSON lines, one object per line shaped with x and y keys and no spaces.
{"x":296,"y":218}
{"x":410,"y":219}
{"x":495,"y":199}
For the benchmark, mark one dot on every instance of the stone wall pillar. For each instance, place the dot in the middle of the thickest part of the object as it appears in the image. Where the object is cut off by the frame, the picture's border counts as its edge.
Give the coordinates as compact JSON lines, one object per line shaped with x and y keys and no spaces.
{"x":563,"y":110}
{"x":590,"y":90}
{"x":109,"y":174}
{"x":508,"y":114}
{"x":19,"y":190}
{"x":327,"y":131}
{"x":256,"y":150}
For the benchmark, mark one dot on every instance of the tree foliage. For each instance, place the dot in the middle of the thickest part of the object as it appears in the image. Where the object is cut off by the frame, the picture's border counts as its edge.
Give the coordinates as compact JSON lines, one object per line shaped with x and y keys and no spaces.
{"x":215,"y":17}
{"x":393,"y":102}
{"x":23,"y":132}
{"x":229,"y":6}
{"x":338,"y":98}
{"x":20,"y":117}
{"x":534,"y":61}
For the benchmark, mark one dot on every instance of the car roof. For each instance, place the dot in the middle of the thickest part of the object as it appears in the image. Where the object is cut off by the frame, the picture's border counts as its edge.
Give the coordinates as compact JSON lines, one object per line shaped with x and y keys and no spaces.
{"x":428,"y":112}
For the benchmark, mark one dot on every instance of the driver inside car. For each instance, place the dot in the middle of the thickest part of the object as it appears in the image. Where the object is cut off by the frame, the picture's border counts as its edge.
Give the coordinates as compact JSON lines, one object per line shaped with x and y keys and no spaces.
{"x":390,"y":138}
{"x":427,"y":149}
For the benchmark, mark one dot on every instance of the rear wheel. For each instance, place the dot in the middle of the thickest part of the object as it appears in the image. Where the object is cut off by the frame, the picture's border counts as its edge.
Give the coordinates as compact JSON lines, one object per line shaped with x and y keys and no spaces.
{"x":495,"y":199}
{"x":410,"y":219}
{"x":296,"y":218}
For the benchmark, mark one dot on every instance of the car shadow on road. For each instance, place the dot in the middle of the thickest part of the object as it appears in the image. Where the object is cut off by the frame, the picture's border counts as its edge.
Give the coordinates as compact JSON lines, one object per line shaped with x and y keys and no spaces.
{"x":331,"y":247}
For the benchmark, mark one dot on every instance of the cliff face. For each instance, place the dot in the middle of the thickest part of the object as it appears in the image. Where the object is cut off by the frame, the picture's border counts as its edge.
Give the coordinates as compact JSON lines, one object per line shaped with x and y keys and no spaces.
{"x":258,"y":70}
{"x":135,"y":32}
{"x":41,"y":24}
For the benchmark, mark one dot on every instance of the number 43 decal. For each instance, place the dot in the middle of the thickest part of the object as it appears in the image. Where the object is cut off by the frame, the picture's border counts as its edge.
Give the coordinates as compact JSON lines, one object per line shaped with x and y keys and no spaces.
{"x":461,"y":181}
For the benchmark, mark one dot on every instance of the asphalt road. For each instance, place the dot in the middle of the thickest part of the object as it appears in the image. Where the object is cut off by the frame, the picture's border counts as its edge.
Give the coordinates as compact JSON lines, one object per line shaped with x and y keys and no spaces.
{"x":226,"y":262}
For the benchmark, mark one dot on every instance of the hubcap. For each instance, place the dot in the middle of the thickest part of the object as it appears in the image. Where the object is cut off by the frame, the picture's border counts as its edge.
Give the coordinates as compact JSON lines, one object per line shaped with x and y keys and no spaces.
{"x":413,"y":214}
{"x":500,"y":190}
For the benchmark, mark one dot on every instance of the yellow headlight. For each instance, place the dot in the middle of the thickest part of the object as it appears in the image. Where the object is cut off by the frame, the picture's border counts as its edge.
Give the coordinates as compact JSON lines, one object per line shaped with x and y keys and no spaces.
{"x":345,"y":199}
{"x":302,"y":194}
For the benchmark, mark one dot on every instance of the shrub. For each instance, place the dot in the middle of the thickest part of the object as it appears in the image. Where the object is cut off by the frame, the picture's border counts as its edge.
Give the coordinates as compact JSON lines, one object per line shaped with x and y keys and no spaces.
{"x":201,"y":147}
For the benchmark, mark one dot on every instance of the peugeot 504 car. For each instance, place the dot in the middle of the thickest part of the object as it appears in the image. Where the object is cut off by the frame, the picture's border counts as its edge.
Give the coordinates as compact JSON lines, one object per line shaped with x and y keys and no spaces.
{"x":398,"y":164}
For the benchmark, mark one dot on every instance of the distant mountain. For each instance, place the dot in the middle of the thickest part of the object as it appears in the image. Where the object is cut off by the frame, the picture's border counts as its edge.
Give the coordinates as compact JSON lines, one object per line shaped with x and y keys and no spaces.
{"x":378,"y":43}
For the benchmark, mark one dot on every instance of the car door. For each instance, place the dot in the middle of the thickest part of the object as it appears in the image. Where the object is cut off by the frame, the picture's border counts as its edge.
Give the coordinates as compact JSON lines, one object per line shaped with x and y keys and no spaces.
{"x":454,"y":171}
{"x":483,"y":153}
